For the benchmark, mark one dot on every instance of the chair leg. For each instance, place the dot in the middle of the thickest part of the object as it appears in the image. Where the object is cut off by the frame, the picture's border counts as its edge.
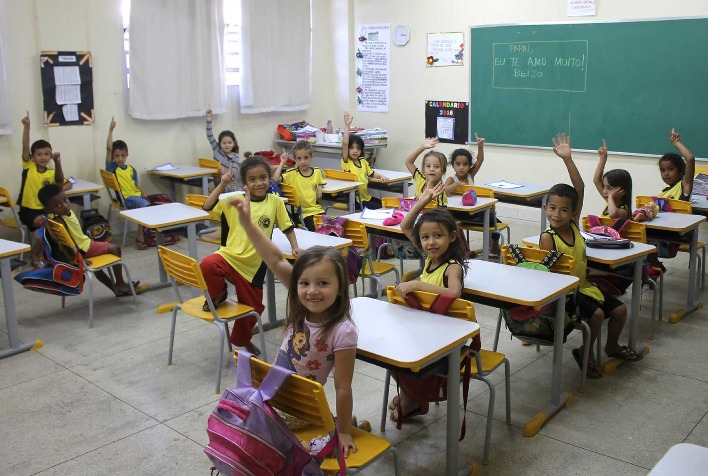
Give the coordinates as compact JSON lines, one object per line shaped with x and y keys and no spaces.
{"x":261,"y":334}
{"x":125,"y":232}
{"x":496,"y":335}
{"x":507,"y":379}
{"x":89,"y":278}
{"x":396,"y":469}
{"x":172,"y":334}
{"x":654,"y":295}
{"x":220,"y":360}
{"x":661,"y":296}
{"x":703,"y":269}
{"x":586,"y":353}
{"x":130,"y":283}
{"x":387,"y":383}
{"x":228,"y":341}
{"x":490,"y":417}
{"x":63,"y":302}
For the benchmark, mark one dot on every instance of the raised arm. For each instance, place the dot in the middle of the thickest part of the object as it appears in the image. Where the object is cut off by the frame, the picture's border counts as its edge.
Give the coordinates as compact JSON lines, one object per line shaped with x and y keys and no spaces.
{"x":480,"y":155}
{"x":213,"y":197}
{"x":25,"y":137}
{"x":687,"y":182}
{"x":58,"y":172}
{"x":272,"y":256}
{"x":600,"y":170}
{"x":109,"y":144}
{"x":561,"y":147}
{"x":428,"y":143}
{"x":345,"y":138}
{"x":209,"y":132}
{"x":429,"y":194}
{"x":277,"y":173}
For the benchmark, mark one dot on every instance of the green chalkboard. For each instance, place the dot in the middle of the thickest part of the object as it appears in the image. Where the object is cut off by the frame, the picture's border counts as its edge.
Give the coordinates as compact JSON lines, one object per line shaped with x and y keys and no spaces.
{"x":627,"y":82}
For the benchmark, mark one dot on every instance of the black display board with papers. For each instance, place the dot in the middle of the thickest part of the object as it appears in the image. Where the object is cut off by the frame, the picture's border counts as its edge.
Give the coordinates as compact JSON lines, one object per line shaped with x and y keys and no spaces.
{"x":67,"y":88}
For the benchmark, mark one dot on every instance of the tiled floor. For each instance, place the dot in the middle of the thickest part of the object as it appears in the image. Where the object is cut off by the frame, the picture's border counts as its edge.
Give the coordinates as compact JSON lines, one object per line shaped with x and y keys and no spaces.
{"x":103,"y":400}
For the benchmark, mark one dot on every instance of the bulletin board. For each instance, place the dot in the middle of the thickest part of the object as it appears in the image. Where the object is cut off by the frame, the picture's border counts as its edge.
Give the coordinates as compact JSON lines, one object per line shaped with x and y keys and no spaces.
{"x":67,"y":88}
{"x":447,"y":120}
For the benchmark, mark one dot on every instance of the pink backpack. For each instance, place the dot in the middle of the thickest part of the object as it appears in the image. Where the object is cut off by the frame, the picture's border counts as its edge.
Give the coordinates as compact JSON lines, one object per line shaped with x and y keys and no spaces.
{"x":247,"y":437}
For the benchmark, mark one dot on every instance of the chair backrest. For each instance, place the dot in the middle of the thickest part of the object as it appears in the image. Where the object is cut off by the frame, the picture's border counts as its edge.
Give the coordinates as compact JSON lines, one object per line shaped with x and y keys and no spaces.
{"x":60,"y":233}
{"x":679,"y":206}
{"x":8,"y":198}
{"x":110,"y":181}
{"x":565,"y":265}
{"x":339,"y":175}
{"x":632,"y":230}
{"x":482,"y":192}
{"x":356,"y":232}
{"x":390,"y":202}
{"x":300,"y":397}
{"x":290,"y":193}
{"x":195,"y":200}
{"x":210,"y":164}
{"x":460,"y":308}
{"x":182,"y":268}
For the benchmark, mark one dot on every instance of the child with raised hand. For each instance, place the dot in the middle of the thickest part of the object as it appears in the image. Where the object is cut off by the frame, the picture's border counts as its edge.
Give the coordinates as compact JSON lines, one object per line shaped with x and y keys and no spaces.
{"x":434,"y":167}
{"x":614,"y":186}
{"x":354,"y":162}
{"x":320,"y":334}
{"x":56,"y":205}
{"x":676,"y":173}
{"x":226,"y":153}
{"x":307,"y":181}
{"x":238,"y":261}
{"x":35,"y":175}
{"x":127,"y":176}
{"x":464,"y":166}
{"x":563,"y":207}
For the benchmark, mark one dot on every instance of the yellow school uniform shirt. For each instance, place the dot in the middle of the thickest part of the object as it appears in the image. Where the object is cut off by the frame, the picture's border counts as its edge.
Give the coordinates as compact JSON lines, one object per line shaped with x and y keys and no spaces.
{"x":675,"y":192}
{"x":73,"y":226}
{"x":578,"y":251}
{"x":362,"y":171}
{"x":436,"y":277}
{"x":420,"y":182}
{"x":239,"y":251}
{"x":32,"y":181}
{"x":128,"y":181}
{"x":306,"y":189}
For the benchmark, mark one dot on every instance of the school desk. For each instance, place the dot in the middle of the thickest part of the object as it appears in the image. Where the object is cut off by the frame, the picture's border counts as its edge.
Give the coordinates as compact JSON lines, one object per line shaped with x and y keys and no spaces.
{"x":334,"y":186}
{"x":454,"y":204}
{"x":166,"y":217}
{"x":399,"y":336}
{"x":699,"y":204}
{"x":8,"y":249}
{"x":328,"y":154}
{"x":528,"y":195}
{"x":673,"y":226}
{"x":395,"y":179}
{"x":305,"y":239}
{"x":84,"y":190}
{"x":504,"y":286}
{"x":185,"y":174}
{"x":682,"y":459}
{"x":614,"y":258}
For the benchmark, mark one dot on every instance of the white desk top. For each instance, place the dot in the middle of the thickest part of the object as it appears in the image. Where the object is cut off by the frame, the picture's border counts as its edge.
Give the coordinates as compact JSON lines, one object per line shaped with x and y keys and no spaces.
{"x":307,"y":239}
{"x":392,"y":175}
{"x":83,"y":186}
{"x":612,"y":257}
{"x":183,"y":171}
{"x":12,"y":248}
{"x":677,"y":222}
{"x":162,"y":216}
{"x":529,"y":190}
{"x":374,"y":223}
{"x":682,"y":459}
{"x":700,"y":203}
{"x":454,"y":202}
{"x":335,"y":185}
{"x":515,"y":285}
{"x":402,"y":336}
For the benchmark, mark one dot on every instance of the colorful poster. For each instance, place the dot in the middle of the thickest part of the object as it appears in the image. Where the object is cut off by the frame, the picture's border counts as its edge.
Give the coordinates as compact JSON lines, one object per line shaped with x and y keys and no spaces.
{"x":447,"y":120}
{"x":445,"y":49}
{"x":373,"y":62}
{"x":581,"y":8}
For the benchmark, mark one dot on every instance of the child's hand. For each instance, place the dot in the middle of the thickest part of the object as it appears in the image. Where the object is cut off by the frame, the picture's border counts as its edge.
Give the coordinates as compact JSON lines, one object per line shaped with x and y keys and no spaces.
{"x":432,"y":192}
{"x":113,"y":124}
{"x":561,"y":146}
{"x":429,"y":142}
{"x":56,"y":157}
{"x":296,"y":250}
{"x":26,"y":120}
{"x":228,"y":177}
{"x":602,"y":151}
{"x":348,"y":119}
{"x":615,"y":193}
{"x":406,"y":287}
{"x":284,"y":157}
{"x":347,"y":443}
{"x":383,"y":179}
{"x":674,"y":136}
{"x":480,"y":140}
{"x":208,"y":115}
{"x":243,"y":205}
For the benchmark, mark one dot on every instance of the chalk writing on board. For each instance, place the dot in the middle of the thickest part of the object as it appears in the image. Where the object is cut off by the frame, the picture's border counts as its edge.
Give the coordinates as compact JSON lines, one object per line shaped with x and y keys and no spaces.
{"x":541,"y":65}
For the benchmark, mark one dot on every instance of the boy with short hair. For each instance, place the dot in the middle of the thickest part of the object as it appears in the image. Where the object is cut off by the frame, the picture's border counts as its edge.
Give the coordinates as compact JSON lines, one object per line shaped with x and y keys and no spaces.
{"x":56,"y":205}
{"x":563,"y":207}
{"x":127,"y":176}
{"x":307,"y":181}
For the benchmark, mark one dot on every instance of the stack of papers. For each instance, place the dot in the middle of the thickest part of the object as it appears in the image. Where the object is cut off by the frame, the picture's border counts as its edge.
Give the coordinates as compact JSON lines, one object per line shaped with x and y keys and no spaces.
{"x":373,"y":136}
{"x":380,"y":214}
{"x":164,"y":168}
{"x":504,"y":184}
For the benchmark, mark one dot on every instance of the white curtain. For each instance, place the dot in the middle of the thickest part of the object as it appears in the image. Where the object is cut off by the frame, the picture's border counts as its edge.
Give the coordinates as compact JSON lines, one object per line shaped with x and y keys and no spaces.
{"x":176,"y":58}
{"x":5,"y":122}
{"x":276,"y":53}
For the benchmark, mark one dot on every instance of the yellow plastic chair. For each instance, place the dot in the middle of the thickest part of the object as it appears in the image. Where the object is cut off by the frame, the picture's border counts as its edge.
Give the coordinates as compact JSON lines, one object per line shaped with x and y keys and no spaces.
{"x":482,"y":192}
{"x":680,"y":206}
{"x":636,"y":231}
{"x":370,"y":268}
{"x":390,"y":202}
{"x":91,"y":265}
{"x":14,"y":220}
{"x":185,"y":270}
{"x":293,"y":202}
{"x":306,"y":399}
{"x":339,"y":175}
{"x":210,"y":235}
{"x":110,"y":181}
{"x":484,"y":363}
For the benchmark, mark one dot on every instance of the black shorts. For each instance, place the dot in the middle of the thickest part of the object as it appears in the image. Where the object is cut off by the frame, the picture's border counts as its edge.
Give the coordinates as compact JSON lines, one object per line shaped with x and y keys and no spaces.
{"x":587,"y":305}
{"x":27,"y":216}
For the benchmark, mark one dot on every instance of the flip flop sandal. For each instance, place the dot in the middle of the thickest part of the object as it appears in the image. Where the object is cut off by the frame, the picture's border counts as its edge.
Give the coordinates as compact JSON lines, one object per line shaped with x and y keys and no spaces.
{"x":626,"y":354}
{"x":140,"y":244}
{"x":218,"y":300}
{"x":136,"y":285}
{"x":593,"y":371}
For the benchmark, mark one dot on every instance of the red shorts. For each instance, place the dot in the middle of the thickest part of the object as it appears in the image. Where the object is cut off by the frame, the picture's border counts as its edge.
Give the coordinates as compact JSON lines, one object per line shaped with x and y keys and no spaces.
{"x":96,"y":248}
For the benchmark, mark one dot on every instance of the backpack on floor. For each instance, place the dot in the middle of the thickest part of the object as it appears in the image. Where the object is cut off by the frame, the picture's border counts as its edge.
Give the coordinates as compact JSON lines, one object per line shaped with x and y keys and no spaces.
{"x":95,"y":226}
{"x":246,"y":436}
{"x":150,"y":233}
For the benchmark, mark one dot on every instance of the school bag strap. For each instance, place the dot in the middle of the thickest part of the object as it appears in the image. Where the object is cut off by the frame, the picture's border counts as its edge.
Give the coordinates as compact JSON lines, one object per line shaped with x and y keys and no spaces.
{"x":663,"y":204}
{"x":275,"y":378}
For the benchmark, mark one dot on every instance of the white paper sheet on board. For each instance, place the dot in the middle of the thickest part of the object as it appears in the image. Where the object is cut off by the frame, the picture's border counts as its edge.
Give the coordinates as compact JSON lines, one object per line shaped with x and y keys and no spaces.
{"x":68,"y":94}
{"x":70,"y":112}
{"x":581,"y":8}
{"x":66,"y":75}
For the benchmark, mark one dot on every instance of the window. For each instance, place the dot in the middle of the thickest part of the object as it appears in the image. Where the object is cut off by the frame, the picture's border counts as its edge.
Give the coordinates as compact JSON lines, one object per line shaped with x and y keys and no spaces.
{"x":232,"y":41}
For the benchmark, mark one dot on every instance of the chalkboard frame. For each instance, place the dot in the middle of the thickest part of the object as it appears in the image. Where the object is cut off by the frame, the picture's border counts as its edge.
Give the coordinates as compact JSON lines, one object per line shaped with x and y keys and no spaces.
{"x":471,"y":62}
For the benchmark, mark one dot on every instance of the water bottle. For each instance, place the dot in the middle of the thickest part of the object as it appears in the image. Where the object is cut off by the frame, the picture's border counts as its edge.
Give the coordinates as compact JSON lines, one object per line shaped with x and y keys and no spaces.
{"x":330,"y":130}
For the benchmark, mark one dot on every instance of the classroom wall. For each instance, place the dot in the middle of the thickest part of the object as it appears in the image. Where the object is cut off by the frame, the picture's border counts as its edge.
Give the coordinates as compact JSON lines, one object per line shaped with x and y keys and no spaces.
{"x":96,"y":26}
{"x":412,"y":84}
